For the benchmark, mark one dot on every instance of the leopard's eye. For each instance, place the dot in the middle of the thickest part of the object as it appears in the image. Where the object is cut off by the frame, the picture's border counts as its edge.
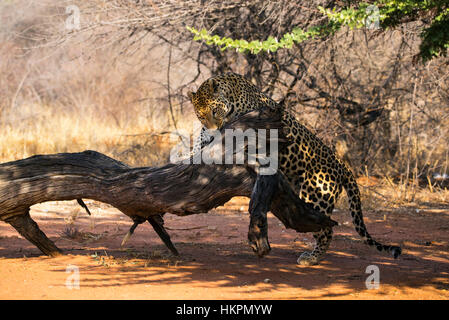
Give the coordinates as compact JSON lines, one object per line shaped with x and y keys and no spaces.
{"x":216,"y":113}
{"x":204,"y":120}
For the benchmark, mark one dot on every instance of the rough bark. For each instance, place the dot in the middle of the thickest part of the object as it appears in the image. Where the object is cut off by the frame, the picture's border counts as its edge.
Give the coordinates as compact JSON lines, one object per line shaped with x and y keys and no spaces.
{"x":145,"y":194}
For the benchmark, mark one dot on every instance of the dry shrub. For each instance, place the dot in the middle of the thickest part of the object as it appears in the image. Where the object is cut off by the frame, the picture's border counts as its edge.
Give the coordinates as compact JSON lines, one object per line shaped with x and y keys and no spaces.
{"x":81,"y":95}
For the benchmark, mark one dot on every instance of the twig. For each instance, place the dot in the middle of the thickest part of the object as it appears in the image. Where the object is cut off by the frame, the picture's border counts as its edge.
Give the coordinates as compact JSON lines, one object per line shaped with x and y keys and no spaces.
{"x":186,"y":229}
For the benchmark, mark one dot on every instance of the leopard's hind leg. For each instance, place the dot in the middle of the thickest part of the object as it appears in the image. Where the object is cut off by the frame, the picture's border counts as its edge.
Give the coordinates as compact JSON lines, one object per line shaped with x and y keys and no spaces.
{"x":323,"y":239}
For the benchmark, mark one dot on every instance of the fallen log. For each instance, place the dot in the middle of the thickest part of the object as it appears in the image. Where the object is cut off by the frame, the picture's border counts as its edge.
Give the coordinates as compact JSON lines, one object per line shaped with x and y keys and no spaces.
{"x":147,"y":193}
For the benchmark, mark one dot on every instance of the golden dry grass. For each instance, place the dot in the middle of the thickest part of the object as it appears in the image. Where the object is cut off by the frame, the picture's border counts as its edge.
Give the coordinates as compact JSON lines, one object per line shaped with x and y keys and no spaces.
{"x":40,"y":129}
{"x":378,"y":194}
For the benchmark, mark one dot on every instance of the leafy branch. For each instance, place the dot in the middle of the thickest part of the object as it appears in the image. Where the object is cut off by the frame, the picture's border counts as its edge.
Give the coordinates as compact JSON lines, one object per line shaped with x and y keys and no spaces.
{"x":272,"y":44}
{"x":384,"y":13}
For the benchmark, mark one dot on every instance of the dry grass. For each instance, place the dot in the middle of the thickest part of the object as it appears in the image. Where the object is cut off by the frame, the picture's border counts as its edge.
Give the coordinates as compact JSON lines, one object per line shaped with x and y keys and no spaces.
{"x":379,"y":194}
{"x":39,"y":129}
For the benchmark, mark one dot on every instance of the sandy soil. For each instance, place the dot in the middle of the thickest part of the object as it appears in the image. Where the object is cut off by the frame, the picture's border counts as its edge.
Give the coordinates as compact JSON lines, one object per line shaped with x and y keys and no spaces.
{"x":217,"y":263}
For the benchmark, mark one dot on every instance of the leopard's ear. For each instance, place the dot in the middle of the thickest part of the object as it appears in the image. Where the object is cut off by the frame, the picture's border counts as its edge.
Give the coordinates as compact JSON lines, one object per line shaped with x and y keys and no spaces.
{"x":191,"y":95}
{"x":214,"y":85}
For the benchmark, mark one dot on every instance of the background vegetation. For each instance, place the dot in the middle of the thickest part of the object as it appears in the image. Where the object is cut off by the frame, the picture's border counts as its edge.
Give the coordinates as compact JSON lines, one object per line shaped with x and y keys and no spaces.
{"x":118,"y":83}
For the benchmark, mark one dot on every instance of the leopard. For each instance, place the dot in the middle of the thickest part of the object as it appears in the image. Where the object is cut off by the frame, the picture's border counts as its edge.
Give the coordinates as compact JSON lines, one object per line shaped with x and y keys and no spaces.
{"x":313,"y":170}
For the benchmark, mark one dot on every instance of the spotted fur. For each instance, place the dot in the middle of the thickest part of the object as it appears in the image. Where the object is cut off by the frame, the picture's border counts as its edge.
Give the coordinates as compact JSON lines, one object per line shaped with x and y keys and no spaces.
{"x":313,"y":170}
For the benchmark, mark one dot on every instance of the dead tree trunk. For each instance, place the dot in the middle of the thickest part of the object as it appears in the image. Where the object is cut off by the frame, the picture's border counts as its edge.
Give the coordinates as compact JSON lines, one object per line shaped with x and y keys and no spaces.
{"x":147,"y":193}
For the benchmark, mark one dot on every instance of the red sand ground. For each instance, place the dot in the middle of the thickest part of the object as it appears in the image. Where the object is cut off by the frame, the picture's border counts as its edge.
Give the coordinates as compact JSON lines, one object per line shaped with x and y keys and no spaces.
{"x":217,"y":263}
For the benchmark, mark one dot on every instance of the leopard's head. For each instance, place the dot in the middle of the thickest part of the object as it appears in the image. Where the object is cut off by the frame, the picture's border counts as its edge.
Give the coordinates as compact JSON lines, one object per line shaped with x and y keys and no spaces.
{"x":209,"y":104}
{"x":221,"y":98}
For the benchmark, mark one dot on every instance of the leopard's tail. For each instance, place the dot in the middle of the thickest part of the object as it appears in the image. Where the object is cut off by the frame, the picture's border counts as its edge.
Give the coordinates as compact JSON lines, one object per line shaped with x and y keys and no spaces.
{"x":357,"y":217}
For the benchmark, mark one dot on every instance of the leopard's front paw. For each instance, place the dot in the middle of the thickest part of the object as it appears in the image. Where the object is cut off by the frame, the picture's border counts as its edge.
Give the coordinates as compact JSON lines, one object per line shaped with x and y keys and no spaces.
{"x":260,"y":245}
